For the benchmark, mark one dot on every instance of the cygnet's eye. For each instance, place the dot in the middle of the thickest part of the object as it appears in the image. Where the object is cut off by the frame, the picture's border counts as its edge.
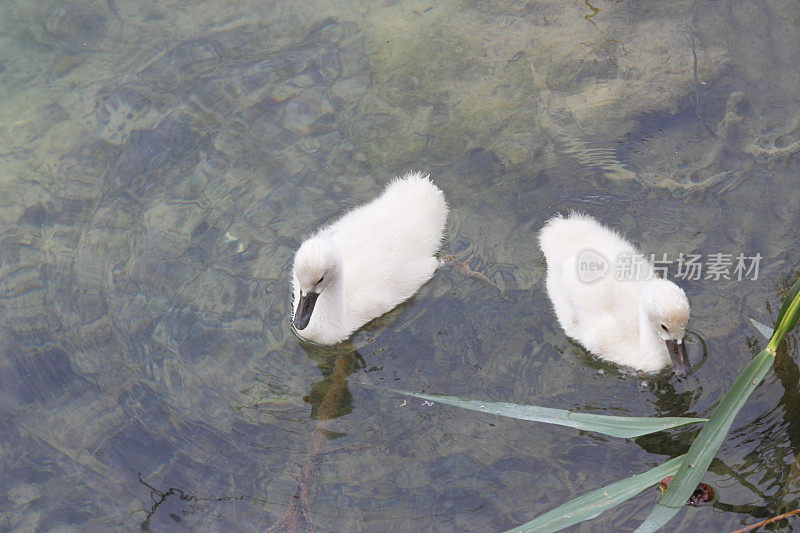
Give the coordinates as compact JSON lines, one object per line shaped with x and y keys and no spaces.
{"x":664,"y":327}
{"x":320,"y":280}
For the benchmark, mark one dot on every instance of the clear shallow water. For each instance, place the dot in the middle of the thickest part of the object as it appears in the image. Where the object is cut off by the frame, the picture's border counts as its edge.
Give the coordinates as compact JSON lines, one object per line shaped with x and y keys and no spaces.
{"x":160,"y":164}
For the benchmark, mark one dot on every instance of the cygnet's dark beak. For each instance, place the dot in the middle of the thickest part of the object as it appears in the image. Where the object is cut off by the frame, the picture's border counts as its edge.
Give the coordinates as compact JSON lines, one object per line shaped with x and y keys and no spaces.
{"x":304,"y":309}
{"x":677,"y":352}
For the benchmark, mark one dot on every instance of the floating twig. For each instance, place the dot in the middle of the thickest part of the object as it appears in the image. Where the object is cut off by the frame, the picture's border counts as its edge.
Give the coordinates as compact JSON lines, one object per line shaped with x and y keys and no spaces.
{"x":767,"y":521}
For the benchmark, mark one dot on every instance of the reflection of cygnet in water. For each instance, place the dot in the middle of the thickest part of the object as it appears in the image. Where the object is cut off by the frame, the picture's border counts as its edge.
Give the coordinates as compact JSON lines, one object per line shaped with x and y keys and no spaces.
{"x":367,"y":262}
{"x":637,"y":322}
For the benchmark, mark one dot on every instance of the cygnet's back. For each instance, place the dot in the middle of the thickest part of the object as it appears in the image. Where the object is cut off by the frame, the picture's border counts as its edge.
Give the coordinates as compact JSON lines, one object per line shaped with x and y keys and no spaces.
{"x":388,"y":245}
{"x":568,"y":241}
{"x":563,"y":238}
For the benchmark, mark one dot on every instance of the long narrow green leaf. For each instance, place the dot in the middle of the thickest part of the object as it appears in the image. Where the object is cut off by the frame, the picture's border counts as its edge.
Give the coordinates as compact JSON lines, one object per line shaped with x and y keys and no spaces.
{"x":615,"y":426}
{"x":657,"y":519}
{"x":710,"y":438}
{"x":787,"y":316}
{"x":791,"y":298}
{"x":593,"y":503}
{"x":708,"y":441}
{"x":764,"y":329}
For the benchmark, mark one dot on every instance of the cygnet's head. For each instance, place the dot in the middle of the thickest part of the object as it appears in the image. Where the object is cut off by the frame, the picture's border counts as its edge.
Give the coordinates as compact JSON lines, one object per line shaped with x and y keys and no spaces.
{"x":316,"y":266}
{"x":667,"y":310}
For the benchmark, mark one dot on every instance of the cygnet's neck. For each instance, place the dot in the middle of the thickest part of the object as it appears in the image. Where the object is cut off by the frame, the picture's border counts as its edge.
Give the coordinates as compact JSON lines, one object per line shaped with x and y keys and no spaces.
{"x":651,"y":345}
{"x":330,"y":311}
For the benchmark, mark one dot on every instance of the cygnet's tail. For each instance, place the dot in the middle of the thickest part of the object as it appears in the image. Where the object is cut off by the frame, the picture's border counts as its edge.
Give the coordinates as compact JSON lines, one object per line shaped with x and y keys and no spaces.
{"x":561,"y":234}
{"x":415,"y":189}
{"x":421,"y":205}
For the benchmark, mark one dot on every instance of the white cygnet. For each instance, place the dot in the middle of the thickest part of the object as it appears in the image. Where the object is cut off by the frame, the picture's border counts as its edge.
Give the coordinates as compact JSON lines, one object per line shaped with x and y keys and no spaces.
{"x":632,"y":318}
{"x":368,"y":261}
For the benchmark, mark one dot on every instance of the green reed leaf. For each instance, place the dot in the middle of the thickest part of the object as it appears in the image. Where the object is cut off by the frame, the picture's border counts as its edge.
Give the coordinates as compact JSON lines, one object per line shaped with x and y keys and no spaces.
{"x":764,"y":329}
{"x":593,"y":503}
{"x":615,"y":426}
{"x":658,"y":518}
{"x":787,"y":316}
{"x":707,"y":443}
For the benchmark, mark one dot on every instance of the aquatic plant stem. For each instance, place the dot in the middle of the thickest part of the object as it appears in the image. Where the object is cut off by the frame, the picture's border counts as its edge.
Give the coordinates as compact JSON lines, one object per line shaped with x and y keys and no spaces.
{"x":710,"y":438}
{"x":787,"y":321}
{"x":767,"y":521}
{"x":707,"y":443}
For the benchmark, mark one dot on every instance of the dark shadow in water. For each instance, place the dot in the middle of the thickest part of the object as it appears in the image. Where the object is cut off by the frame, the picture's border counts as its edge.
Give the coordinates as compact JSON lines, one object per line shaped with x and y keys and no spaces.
{"x":330,"y":397}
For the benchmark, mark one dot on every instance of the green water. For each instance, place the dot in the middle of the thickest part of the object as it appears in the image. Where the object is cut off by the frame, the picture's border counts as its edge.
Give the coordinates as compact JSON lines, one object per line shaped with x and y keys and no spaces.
{"x":160,"y":163}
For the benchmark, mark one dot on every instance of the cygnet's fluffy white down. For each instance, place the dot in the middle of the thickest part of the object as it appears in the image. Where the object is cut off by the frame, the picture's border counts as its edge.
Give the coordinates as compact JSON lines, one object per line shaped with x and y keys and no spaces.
{"x":638,"y":322}
{"x":368,"y":261}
